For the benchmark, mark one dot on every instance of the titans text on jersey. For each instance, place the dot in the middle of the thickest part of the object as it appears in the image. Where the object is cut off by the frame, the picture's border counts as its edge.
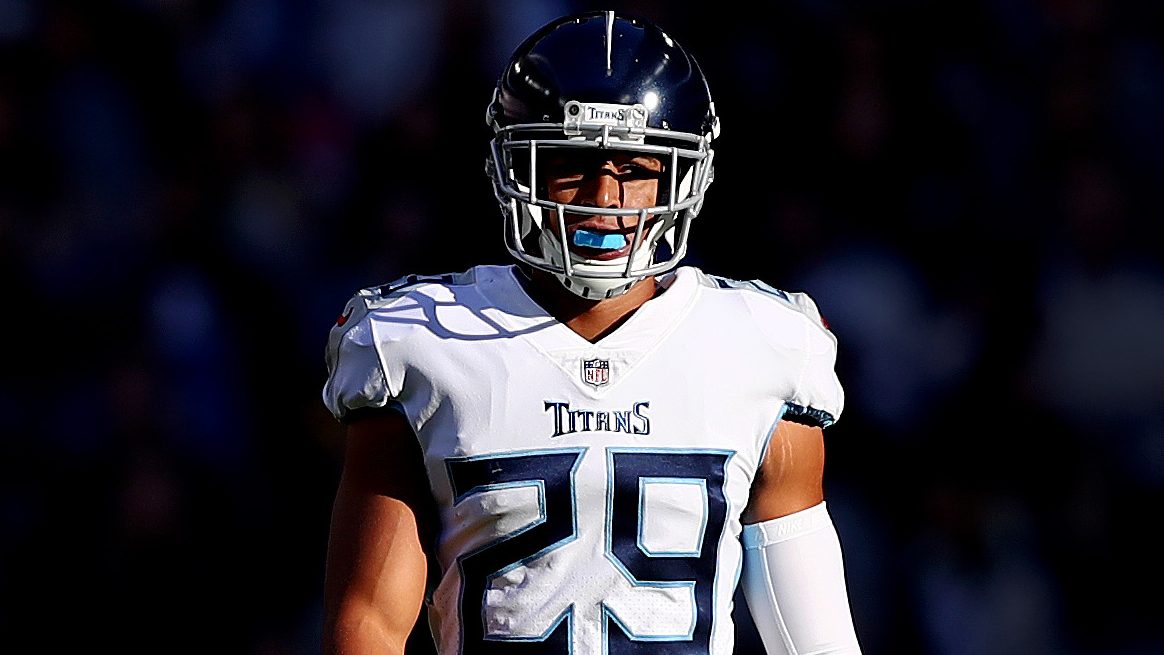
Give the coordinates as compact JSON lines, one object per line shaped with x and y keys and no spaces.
{"x":589,"y":493}
{"x":569,"y":421}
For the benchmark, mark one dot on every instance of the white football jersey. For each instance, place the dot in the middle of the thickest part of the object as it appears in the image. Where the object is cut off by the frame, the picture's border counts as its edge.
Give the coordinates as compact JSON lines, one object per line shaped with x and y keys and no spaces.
{"x":590,"y":493}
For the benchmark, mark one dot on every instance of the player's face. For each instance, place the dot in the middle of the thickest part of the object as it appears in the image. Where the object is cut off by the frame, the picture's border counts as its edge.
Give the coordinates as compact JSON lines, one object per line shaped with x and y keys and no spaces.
{"x":604,"y":179}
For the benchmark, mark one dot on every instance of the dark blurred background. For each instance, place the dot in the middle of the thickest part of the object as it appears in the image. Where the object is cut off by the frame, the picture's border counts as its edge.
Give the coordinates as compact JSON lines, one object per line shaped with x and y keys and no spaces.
{"x":190,"y":191}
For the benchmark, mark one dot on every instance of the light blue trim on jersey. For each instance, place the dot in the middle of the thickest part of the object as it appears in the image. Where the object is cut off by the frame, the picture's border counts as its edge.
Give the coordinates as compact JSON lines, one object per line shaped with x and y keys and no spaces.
{"x":580,"y":450}
{"x":668,"y":584}
{"x":541,"y":486}
{"x":727,"y":519}
{"x":608,"y":615}
{"x":700,"y":482}
{"x":567,"y":613}
{"x":609,"y":528}
{"x":608,"y":548}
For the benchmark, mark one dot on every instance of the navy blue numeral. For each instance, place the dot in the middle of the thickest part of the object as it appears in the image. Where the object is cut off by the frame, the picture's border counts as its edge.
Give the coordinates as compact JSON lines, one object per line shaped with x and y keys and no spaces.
{"x":627,"y":469}
{"x":552,"y":472}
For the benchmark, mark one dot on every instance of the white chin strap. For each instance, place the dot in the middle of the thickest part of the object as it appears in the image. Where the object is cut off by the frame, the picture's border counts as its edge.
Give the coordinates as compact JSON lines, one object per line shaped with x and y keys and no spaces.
{"x":595,"y":289}
{"x":584,"y":282}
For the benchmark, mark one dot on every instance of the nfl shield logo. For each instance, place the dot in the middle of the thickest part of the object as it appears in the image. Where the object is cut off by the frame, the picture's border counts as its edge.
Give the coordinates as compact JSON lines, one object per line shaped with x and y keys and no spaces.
{"x":596,"y":371}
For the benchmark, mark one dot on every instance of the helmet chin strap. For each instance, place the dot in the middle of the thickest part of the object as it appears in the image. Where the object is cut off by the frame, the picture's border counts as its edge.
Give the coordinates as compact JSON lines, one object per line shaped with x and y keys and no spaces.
{"x":600,"y":288}
{"x":587,"y":289}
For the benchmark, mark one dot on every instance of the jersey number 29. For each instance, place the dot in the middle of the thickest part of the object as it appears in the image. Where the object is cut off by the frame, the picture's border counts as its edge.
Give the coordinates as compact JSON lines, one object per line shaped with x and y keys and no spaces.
{"x":629,"y":471}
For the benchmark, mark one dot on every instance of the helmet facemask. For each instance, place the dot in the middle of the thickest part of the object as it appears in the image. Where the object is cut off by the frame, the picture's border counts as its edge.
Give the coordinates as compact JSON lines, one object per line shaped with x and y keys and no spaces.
{"x":536,"y":228}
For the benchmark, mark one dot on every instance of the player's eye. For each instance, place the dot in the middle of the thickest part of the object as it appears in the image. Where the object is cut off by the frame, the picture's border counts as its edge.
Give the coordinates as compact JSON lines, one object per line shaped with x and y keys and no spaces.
{"x":638,"y":171}
{"x":578,"y":166}
{"x":565,"y":168}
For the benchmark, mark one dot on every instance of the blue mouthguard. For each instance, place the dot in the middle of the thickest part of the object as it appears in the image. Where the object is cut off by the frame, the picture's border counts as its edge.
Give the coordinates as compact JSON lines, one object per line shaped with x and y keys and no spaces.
{"x":591,"y":239}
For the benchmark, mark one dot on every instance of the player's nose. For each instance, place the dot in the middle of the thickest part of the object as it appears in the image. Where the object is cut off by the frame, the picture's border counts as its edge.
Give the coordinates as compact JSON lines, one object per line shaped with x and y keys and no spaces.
{"x":602,"y":189}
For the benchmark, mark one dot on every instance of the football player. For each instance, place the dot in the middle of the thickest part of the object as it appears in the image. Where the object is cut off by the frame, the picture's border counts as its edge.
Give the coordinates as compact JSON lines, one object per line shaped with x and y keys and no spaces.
{"x":586,"y":451}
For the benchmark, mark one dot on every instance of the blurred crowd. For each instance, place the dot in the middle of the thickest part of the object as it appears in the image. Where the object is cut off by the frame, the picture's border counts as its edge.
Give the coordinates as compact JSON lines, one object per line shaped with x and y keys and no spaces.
{"x":190,"y":191}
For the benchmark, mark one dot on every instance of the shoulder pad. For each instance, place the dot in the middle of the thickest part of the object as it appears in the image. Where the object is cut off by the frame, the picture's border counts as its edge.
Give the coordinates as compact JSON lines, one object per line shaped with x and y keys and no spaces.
{"x":382,"y":295}
{"x":796,"y":300}
{"x":357,"y":376}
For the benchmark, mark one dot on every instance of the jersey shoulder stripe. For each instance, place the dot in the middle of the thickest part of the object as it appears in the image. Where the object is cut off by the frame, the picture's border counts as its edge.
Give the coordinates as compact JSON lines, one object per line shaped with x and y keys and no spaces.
{"x":819,"y":398}
{"x":357,"y":376}
{"x":798,"y":301}
{"x":381,"y":296}
{"x":384,"y":295}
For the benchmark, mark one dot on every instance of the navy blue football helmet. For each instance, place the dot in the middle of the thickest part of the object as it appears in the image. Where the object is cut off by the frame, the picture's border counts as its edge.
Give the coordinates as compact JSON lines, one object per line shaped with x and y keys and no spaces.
{"x":598,"y":80}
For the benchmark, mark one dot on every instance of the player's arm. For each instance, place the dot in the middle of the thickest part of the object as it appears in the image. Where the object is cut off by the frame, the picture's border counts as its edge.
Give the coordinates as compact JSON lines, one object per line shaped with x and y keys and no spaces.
{"x":376,"y":565}
{"x":793,"y":576}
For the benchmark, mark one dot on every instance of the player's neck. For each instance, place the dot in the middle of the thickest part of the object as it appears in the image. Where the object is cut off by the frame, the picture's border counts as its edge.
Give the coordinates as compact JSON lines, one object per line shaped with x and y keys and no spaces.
{"x":591,"y":319}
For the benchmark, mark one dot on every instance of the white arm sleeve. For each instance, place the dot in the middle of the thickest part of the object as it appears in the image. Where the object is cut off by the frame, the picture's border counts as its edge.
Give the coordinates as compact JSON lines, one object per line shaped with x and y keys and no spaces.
{"x":794,"y":583}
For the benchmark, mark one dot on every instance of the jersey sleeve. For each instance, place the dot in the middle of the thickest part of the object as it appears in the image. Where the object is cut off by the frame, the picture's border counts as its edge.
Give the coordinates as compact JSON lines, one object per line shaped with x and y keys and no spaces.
{"x":355,"y":372}
{"x":818,"y":398}
{"x":792,"y":323}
